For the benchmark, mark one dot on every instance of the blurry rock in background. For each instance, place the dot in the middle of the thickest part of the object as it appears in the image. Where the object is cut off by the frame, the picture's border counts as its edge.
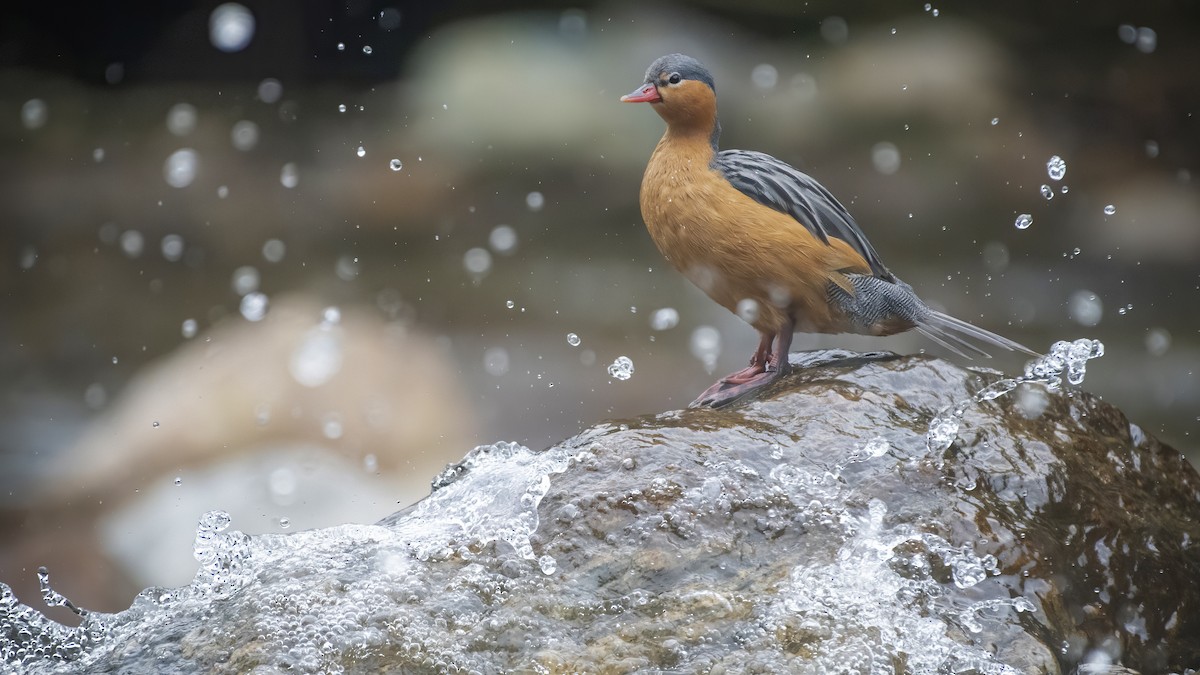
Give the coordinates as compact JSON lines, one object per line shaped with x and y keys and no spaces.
{"x":309,"y":417}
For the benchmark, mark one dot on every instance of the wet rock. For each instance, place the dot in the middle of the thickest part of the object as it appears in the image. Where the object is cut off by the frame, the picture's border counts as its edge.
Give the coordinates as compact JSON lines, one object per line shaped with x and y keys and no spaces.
{"x":809,"y":530}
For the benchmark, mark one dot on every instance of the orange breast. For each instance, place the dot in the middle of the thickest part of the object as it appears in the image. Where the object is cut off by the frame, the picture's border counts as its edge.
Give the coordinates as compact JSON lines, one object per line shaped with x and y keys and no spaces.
{"x":736,"y":249}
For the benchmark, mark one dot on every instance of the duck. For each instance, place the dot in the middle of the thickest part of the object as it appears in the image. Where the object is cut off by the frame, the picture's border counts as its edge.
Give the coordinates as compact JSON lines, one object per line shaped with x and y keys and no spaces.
{"x":768,"y":242}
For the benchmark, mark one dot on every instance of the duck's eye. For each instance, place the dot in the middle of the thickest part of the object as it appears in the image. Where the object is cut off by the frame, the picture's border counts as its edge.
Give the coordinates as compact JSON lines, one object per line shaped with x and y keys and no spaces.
{"x":675,"y":78}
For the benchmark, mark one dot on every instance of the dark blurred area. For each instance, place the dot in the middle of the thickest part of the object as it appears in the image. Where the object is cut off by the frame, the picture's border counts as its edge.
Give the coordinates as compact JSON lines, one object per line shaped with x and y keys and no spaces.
{"x":289,"y":259}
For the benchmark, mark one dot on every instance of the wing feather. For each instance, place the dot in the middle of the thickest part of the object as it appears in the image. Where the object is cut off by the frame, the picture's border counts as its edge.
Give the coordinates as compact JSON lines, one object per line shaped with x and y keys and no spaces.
{"x":778,"y":185}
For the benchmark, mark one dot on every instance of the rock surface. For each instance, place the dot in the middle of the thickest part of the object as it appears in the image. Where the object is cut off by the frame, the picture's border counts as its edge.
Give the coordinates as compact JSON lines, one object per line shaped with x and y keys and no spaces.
{"x":810,"y":530}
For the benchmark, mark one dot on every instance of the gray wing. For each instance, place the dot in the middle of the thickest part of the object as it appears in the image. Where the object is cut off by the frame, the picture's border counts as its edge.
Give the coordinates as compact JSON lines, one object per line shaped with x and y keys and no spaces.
{"x":773,"y":183}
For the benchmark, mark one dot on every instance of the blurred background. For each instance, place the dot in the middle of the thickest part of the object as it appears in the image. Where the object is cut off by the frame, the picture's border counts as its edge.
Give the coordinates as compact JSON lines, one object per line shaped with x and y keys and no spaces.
{"x":290,"y":259}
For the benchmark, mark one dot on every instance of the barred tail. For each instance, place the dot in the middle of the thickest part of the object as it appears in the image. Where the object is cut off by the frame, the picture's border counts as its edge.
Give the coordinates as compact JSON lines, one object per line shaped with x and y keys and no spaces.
{"x":961,"y":337}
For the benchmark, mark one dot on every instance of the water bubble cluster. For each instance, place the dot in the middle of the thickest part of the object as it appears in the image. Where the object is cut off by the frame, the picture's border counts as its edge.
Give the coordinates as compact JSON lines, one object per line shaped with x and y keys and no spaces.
{"x":1064,"y":360}
{"x":621,"y":369}
{"x":1056,"y":168}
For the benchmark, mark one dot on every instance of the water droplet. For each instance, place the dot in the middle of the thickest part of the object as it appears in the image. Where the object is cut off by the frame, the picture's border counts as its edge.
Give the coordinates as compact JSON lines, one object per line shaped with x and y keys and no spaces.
{"x":132,"y":243}
{"x":1110,"y":210}
{"x":885,"y":157}
{"x":1047,"y":192}
{"x":705,"y":344}
{"x":509,"y":304}
{"x":495,"y":361}
{"x":178,"y":481}
{"x":664,"y":319}
{"x":1158,"y":341}
{"x":154,"y":424}
{"x":503,"y":239}
{"x":1085,"y":308}
{"x":995,"y":121}
{"x":1023,"y":221}
{"x":188,"y":328}
{"x":244,"y":280}
{"x":230,"y":27}
{"x":33,"y":114}
{"x":341,"y":107}
{"x":547,"y":564}
{"x":244,"y":135}
{"x":573,"y":339}
{"x":285,"y":522}
{"x":1065,"y":189}
{"x":621,"y":369}
{"x":172,"y":247}
{"x":180,"y":168}
{"x":747,"y":309}
{"x":269,"y":90}
{"x":395,"y":165}
{"x":361,"y":151}
{"x":254,"y":306}
{"x":181,"y":119}
{"x":478,"y":262}
{"x":1056,"y":168}
{"x":341,"y":46}
{"x":273,"y":250}
{"x":288,"y":176}
{"x":367,"y":50}
{"x":764,"y":76}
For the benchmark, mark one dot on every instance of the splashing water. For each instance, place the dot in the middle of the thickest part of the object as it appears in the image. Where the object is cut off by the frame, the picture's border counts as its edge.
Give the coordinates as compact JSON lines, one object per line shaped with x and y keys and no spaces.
{"x":1056,"y":168}
{"x":1065,"y":359}
{"x":621,"y":369}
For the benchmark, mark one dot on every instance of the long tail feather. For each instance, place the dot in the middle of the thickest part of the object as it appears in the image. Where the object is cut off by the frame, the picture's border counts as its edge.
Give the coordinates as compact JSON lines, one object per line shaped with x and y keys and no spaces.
{"x":959,"y":336}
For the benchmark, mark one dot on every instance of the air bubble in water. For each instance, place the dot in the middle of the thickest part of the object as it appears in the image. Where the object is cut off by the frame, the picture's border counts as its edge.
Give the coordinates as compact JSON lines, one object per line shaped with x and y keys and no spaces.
{"x":1110,"y":210}
{"x":395,"y":165}
{"x":1023,"y":221}
{"x":367,"y":50}
{"x":548,"y":564}
{"x":285,"y":522}
{"x":942,"y":431}
{"x":1056,"y":168}
{"x":341,"y":107}
{"x":573,"y":339}
{"x":1047,"y":192}
{"x":995,"y":121}
{"x":535,"y":201}
{"x":621,"y":369}
{"x":361,"y":151}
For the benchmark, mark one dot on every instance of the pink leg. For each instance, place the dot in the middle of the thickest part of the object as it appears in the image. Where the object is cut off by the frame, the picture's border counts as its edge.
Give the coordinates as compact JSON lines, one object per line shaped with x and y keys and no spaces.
{"x":767,"y":365}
